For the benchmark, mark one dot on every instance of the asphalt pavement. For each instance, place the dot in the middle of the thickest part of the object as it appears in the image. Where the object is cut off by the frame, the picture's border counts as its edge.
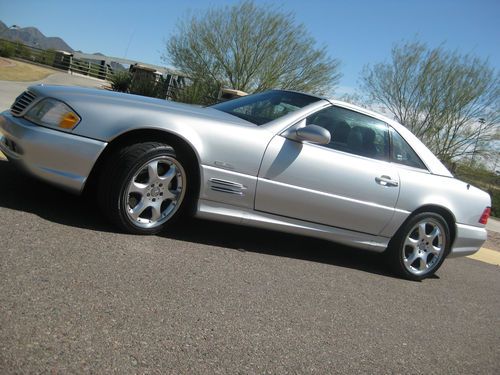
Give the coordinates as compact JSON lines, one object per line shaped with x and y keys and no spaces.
{"x":76,"y":296}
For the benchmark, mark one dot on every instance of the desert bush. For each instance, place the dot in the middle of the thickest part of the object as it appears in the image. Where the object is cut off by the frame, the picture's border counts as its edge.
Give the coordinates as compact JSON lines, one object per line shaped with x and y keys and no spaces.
{"x":7,"y":49}
{"x":484,"y":179}
{"x":202,"y":93}
{"x":22,"y":51}
{"x":120,"y":81}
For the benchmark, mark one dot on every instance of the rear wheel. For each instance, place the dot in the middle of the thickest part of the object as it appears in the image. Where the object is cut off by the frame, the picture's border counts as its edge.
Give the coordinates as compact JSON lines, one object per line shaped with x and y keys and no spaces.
{"x":143,"y":187}
{"x":420,"y":246}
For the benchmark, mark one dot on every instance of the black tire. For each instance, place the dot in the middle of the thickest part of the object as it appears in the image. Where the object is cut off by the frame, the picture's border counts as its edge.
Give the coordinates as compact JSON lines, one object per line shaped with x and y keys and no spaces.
{"x":413,"y":251}
{"x":143,"y":188}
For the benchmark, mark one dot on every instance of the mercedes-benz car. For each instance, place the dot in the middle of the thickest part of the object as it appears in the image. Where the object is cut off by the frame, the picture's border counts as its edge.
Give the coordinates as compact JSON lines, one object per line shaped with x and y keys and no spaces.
{"x":279,"y":160}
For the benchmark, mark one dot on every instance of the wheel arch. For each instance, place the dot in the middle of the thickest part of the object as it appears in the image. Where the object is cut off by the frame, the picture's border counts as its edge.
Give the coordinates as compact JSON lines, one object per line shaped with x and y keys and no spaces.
{"x":395,"y":253}
{"x":179,"y":143}
{"x":444,"y":212}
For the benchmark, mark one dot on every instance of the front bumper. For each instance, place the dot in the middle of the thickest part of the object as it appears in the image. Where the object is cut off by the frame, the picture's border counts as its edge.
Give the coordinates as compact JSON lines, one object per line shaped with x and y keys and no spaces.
{"x":468,"y":240}
{"x":57,"y":157}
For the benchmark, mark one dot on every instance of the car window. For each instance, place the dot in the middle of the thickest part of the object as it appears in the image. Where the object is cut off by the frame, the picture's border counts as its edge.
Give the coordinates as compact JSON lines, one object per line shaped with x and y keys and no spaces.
{"x":353,"y":132}
{"x":402,"y":153}
{"x":267,"y":106}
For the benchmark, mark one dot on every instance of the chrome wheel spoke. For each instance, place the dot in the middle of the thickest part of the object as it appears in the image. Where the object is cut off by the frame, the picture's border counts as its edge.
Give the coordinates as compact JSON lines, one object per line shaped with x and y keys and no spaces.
{"x":411,"y":242}
{"x":411,"y":259}
{"x":435,"y":234}
{"x":421,"y":231}
{"x":153,"y":171}
{"x":434,"y":250}
{"x":155,"y":212}
{"x":169,"y":176}
{"x":136,"y":211}
{"x":137,"y":187}
{"x":172,"y":195}
{"x":422,"y":263}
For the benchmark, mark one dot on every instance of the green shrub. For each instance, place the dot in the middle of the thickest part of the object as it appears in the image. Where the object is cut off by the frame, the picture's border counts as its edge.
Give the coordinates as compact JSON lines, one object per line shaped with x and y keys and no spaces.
{"x":46,"y":57}
{"x":144,"y":86}
{"x":203,"y":93}
{"x":148,"y":85}
{"x":120,"y":81}
{"x":22,"y":51}
{"x":49,"y":56}
{"x":495,"y":202}
{"x":484,"y":179}
{"x":7,"y":49}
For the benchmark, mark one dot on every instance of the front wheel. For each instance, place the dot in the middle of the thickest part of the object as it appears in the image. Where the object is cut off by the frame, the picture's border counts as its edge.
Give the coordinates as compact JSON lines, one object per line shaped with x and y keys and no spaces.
{"x":143,"y":187}
{"x":420,"y":246}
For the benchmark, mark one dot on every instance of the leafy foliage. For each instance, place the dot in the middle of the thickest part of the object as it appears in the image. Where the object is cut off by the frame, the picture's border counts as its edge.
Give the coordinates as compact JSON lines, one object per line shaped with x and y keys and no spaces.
{"x":22,"y":51}
{"x":450,"y":101}
{"x":203,"y":93}
{"x":154,"y":87}
{"x":120,"y":81}
{"x":7,"y":49}
{"x":483,"y":178}
{"x":251,"y":48}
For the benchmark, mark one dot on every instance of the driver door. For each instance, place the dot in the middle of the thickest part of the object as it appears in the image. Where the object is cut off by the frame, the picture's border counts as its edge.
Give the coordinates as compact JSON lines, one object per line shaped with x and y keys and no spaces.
{"x":346,"y":184}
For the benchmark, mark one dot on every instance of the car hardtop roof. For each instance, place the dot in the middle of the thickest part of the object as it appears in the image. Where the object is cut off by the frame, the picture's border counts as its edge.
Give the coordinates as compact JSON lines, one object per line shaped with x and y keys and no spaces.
{"x":431,"y":161}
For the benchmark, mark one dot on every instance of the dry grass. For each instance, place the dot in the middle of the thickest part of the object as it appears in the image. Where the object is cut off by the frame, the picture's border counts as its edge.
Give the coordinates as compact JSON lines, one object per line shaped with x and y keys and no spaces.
{"x":11,"y":70}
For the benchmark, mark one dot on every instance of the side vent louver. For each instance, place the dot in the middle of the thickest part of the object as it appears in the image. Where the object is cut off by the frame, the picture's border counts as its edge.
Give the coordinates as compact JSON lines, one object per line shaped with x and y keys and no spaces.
{"x":229,"y":187}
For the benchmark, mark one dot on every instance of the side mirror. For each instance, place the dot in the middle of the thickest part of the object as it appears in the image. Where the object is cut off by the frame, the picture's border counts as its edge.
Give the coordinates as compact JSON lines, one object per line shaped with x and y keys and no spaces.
{"x":308,"y":133}
{"x":314,"y":134}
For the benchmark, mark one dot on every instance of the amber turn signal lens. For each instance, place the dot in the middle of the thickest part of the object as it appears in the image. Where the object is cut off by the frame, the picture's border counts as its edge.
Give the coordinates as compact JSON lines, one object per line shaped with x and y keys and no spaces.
{"x":68,"y":121}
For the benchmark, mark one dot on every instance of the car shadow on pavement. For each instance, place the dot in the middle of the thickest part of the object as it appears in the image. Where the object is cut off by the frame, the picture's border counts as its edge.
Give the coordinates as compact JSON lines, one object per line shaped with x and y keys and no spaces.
{"x":261,"y":241}
{"x":21,"y":192}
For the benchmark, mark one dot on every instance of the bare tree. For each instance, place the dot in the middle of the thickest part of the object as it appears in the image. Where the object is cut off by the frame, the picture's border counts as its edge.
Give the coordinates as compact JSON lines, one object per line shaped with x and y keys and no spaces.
{"x":251,"y":48}
{"x":450,"y":101}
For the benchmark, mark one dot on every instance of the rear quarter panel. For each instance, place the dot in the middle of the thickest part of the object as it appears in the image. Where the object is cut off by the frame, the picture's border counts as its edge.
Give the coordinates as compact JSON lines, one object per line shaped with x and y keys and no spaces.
{"x":420,"y":188}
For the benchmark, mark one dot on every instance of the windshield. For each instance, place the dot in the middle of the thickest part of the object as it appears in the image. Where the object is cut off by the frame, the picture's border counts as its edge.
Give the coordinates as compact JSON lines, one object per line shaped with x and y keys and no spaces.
{"x":267,"y":106}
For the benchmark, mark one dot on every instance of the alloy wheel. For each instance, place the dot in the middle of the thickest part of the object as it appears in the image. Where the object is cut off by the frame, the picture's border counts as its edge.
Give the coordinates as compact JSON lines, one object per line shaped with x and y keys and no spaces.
{"x":424,"y":246}
{"x":155,"y":192}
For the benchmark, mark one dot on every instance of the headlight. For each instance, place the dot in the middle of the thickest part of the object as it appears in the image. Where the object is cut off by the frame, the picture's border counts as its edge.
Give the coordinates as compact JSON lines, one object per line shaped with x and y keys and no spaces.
{"x":53,"y":113}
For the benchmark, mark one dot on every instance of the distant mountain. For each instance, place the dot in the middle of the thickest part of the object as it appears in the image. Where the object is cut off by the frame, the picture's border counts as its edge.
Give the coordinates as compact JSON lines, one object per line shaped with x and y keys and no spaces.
{"x":31,"y":36}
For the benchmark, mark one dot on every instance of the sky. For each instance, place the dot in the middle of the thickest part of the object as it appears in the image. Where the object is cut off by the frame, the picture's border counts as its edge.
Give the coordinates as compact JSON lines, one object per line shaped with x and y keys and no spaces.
{"x":357,"y":32}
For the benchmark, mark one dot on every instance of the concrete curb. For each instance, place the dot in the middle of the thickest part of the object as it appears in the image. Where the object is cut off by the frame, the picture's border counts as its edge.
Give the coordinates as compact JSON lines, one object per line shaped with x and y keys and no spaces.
{"x":487,"y":256}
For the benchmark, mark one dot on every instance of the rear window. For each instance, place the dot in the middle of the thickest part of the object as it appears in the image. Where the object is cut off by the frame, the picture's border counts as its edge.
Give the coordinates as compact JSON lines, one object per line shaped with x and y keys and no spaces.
{"x":402,"y":153}
{"x":267,"y":106}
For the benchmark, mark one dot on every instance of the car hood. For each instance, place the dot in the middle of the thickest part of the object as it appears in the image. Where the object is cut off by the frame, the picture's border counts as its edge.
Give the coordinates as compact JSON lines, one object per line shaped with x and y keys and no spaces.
{"x":79,"y":97}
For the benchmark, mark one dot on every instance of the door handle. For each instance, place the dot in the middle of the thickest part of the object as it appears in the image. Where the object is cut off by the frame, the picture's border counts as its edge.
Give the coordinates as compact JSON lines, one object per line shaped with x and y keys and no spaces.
{"x":386,"y":181}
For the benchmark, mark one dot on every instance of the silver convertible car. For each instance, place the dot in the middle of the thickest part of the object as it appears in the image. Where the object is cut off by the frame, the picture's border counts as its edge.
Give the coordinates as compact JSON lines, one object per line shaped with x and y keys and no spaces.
{"x":278,"y":160}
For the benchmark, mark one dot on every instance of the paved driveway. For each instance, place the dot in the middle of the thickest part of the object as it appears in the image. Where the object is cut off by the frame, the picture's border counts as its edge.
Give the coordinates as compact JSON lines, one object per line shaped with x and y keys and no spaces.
{"x":77,"y":297}
{"x":10,"y":90}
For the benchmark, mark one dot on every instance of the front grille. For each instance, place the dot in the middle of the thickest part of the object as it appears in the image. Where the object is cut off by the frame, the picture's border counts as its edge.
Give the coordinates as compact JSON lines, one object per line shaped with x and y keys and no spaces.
{"x":22,"y":102}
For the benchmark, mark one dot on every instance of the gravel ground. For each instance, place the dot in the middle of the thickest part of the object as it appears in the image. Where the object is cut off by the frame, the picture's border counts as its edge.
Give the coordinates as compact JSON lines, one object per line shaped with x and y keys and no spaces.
{"x":493,"y":241}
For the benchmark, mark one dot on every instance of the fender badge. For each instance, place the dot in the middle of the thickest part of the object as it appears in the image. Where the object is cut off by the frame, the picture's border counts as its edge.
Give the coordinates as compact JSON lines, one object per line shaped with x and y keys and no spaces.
{"x":224,"y":165}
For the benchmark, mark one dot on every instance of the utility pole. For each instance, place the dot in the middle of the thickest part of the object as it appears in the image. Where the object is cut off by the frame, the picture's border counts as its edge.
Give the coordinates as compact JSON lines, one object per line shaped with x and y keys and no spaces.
{"x":481,"y":123}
